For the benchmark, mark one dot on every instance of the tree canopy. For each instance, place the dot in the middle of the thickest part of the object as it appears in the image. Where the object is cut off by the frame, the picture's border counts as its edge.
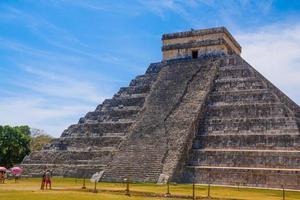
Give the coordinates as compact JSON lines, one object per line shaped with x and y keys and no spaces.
{"x":39,"y":138}
{"x":14,"y":144}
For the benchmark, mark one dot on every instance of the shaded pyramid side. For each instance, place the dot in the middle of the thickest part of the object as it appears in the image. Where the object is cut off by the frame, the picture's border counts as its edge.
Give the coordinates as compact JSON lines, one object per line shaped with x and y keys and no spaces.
{"x":249,"y":134}
{"x":88,"y":147}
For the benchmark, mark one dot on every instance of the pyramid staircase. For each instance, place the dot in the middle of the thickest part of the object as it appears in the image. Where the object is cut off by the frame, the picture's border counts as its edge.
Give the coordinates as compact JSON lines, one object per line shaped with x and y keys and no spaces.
{"x":164,"y":128}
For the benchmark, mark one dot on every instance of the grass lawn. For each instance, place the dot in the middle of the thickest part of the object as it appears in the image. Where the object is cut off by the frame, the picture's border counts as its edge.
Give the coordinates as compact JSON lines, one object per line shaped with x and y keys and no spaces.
{"x":70,"y":189}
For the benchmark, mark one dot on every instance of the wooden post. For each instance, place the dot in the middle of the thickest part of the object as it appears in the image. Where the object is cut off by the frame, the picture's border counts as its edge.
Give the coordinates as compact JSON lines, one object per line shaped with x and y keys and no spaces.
{"x":95,"y":187}
{"x":208,"y":191}
{"x":127,"y":187}
{"x":209,"y":181}
{"x":194,"y":197}
{"x":283,"y":193}
{"x":83,"y":186}
{"x":168,"y":189}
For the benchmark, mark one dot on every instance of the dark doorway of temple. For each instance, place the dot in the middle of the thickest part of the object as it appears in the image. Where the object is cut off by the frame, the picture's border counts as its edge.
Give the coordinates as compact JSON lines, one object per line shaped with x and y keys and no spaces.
{"x":194,"y":54}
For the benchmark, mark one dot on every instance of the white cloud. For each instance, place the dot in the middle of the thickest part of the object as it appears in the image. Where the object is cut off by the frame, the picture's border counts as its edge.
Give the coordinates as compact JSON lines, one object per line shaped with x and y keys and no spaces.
{"x":33,"y":111}
{"x":275,"y":52}
{"x":61,"y":85}
{"x":161,"y":8}
{"x":51,"y":101}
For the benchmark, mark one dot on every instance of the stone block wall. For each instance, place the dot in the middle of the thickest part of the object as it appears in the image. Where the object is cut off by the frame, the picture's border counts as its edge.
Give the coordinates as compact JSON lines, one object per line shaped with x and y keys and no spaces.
{"x":249,"y":134}
{"x":181,"y":44}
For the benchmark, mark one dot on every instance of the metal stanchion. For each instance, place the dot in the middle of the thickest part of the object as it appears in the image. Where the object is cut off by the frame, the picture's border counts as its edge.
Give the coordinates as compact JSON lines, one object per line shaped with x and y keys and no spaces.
{"x":208,"y":191}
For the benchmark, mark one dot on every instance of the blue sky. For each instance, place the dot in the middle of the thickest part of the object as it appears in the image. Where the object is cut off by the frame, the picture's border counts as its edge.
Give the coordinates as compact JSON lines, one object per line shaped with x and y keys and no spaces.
{"x":61,"y":58}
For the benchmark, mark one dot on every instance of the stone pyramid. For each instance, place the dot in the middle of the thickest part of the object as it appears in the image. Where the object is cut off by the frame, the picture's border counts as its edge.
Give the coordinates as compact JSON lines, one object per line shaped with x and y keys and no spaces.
{"x":202,"y":114}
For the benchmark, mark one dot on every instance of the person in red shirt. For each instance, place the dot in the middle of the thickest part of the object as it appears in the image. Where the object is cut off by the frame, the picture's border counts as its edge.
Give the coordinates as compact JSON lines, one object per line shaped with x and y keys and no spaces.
{"x":43,"y":180}
{"x":48,"y":179}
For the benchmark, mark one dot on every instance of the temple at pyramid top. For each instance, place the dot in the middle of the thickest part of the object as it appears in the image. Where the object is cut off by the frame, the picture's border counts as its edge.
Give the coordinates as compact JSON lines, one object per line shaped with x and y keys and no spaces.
{"x":194,"y":43}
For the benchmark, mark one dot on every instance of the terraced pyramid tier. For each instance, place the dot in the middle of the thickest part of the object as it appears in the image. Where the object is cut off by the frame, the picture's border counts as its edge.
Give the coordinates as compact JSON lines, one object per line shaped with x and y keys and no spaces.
{"x":88,"y":147}
{"x":249,"y":134}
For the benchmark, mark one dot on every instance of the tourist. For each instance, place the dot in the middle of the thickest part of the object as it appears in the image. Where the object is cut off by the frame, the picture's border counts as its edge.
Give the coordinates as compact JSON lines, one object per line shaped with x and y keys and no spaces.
{"x":48,"y":179}
{"x":4,"y":177}
{"x":43,"y":180}
{"x":1,"y":177}
{"x":17,"y":176}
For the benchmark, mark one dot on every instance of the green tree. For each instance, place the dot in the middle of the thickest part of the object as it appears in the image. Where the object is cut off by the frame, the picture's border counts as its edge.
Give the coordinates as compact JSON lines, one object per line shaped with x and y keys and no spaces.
{"x":14,"y":144}
{"x":37,"y":142}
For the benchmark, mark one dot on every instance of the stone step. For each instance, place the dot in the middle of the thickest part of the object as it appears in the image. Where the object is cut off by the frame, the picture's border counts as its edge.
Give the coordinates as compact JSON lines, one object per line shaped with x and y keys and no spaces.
{"x":151,"y":165}
{"x":239,"y":92}
{"x":113,"y":114}
{"x":122,"y":108}
{"x":249,"y":150}
{"x":136,"y":100}
{"x":89,"y":162}
{"x":238,"y":79}
{"x":64,"y":165}
{"x":96,"y":129}
{"x":134,"y":90}
{"x":233,"y":67}
{"x":242,"y":96}
{"x":235,"y":72}
{"x":65,"y":170}
{"x":254,"y":125}
{"x":91,"y":149}
{"x":248,"y":168}
{"x":245,"y":158}
{"x":249,"y":141}
{"x":138,"y":95}
{"x":145,"y":79}
{"x":232,"y":60}
{"x":67,"y":157}
{"x":230,"y":84}
{"x":106,"y":140}
{"x":249,"y":110}
{"x":107,"y":135}
{"x":245,"y":176}
{"x":154,"y":68}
